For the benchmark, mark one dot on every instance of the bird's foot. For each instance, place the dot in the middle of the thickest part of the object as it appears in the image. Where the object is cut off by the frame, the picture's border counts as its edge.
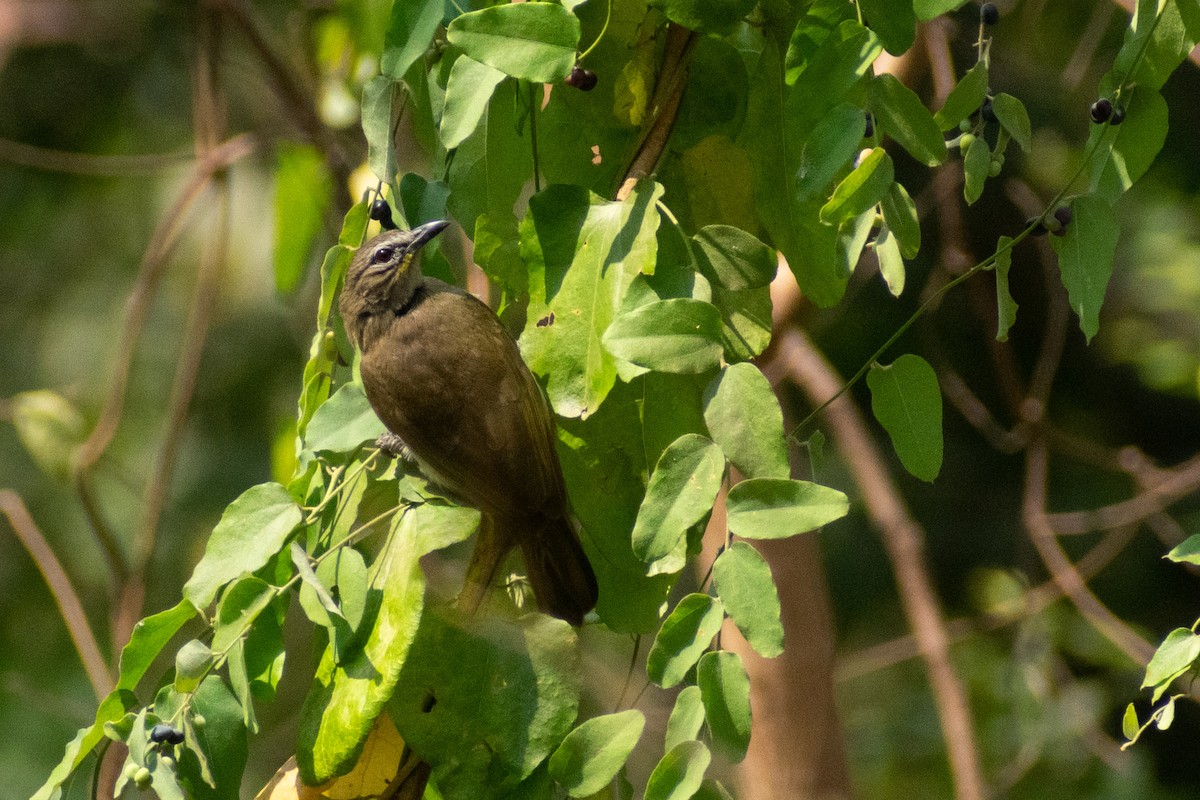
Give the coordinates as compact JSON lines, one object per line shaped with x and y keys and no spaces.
{"x":394,"y":446}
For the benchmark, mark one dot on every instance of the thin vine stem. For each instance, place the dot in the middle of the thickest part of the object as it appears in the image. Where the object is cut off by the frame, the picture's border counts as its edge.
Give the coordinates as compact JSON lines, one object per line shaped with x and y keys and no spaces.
{"x":599,"y":36}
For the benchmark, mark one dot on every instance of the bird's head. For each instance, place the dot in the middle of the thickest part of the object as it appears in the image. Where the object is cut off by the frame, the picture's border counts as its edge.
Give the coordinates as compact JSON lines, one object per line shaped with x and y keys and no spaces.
{"x":386,"y":271}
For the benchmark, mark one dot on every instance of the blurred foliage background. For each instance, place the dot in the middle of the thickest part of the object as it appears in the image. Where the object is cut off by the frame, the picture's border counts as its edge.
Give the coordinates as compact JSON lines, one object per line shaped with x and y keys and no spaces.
{"x":115,"y":79}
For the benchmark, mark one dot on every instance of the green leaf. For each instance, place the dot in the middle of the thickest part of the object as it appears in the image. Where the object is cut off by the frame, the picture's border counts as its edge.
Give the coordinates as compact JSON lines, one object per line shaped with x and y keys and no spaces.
{"x":192,"y":664}
{"x":111,"y":709}
{"x":1160,"y":36}
{"x":681,"y":493}
{"x":684,"y":636}
{"x":1187,"y":551}
{"x":319,"y":606}
{"x":893,"y":21}
{"x":686,"y":717}
{"x":705,"y":16}
{"x":965,"y":98}
{"x":1166,"y":715}
{"x":343,"y":422}
{"x":928,"y":9}
{"x":1127,"y":150}
{"x":747,"y":590}
{"x":902,"y":116}
{"x":410,"y":31}
{"x":725,"y":690}
{"x":900,"y":215}
{"x":378,"y":113}
{"x":240,"y":605}
{"x":712,"y":790}
{"x":346,"y":697}
{"x":530,"y":41}
{"x":861,"y":189}
{"x":976,"y":161}
{"x":468,"y":91}
{"x":677,"y":335}
{"x":1175,"y":655}
{"x":732,"y":258}
{"x":148,"y":639}
{"x":592,"y":754}
{"x":504,"y":706}
{"x":50,"y":428}
{"x":828,"y":147}
{"x":1129,"y":723}
{"x":1085,"y":258}
{"x":679,"y":774}
{"x":578,"y":290}
{"x":744,"y":418}
{"x":303,"y":192}
{"x":906,"y":401}
{"x":745,"y":321}
{"x":211,"y":766}
{"x":1006,"y":307}
{"x":252,"y":529}
{"x":1014,"y":118}
{"x":772,"y":508}
{"x":891,"y":263}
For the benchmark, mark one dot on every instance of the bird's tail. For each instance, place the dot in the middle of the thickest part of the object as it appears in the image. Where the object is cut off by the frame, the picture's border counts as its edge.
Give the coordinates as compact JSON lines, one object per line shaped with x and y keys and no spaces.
{"x":555,"y":563}
{"x":558,"y":569}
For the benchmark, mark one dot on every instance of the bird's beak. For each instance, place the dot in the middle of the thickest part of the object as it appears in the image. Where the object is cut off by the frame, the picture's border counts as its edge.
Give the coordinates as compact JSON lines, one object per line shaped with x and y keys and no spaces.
{"x":424,"y":233}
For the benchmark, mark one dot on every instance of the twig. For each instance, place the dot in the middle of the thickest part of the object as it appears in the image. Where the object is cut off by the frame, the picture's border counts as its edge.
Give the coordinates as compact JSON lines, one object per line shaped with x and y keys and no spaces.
{"x":1062,"y":570}
{"x":903,"y":539}
{"x":116,"y":166}
{"x":1180,"y":482}
{"x":61,"y":589}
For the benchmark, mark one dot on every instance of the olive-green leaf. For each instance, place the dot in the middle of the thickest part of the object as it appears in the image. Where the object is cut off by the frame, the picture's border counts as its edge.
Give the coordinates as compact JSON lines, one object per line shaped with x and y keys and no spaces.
{"x":906,"y":401}
{"x":1127,"y":150}
{"x":677,"y":335}
{"x":747,"y":590}
{"x":829,"y":146}
{"x":343,"y":422}
{"x":378,"y":110}
{"x":861,"y":189}
{"x":530,"y":41}
{"x":891,"y":263}
{"x":773,"y":508}
{"x":902,"y":116}
{"x":705,"y":16}
{"x":900,"y":214}
{"x":681,"y":492}
{"x":1006,"y":307}
{"x":485,"y":720}
{"x":575,"y":292}
{"x":679,"y":774}
{"x":1187,"y":551}
{"x":192,"y":664}
{"x":744,"y":418}
{"x":1176,"y":654}
{"x":50,"y":428}
{"x":1085,"y":258}
{"x":252,"y":529}
{"x":149,"y":637}
{"x":1129,"y":723}
{"x":732,"y":258}
{"x":592,"y":754}
{"x":683,"y":638}
{"x":965,"y":98}
{"x":410,"y":30}
{"x":894,"y":22}
{"x":975,"y":169}
{"x":725,"y":690}
{"x":687,"y":716}
{"x":1014,"y":118}
{"x":468,"y":91}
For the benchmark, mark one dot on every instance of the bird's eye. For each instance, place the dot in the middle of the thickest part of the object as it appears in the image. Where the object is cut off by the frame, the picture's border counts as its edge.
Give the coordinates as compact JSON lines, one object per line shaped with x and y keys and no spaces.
{"x":382,"y":255}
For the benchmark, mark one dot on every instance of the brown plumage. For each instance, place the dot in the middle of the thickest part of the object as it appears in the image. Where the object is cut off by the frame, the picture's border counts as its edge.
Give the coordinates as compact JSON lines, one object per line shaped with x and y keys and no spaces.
{"x":446,"y":378}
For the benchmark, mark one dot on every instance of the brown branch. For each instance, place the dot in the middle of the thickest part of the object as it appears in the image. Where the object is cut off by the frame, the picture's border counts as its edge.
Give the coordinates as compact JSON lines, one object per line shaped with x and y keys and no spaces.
{"x":61,"y":589}
{"x":664,"y":106}
{"x":902,"y":537}
{"x":1062,"y":570}
{"x":1180,"y":482}
{"x":115,"y":166}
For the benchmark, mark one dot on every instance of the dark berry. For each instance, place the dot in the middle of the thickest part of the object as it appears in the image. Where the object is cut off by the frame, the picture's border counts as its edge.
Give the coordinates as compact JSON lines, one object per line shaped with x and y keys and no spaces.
{"x":1118,"y":116}
{"x":381,"y":212}
{"x":163,"y":733}
{"x":870,"y":130}
{"x":986,"y":111}
{"x":989,"y":14}
{"x":1101,"y":110}
{"x":1064,"y":215}
{"x":582,"y":79}
{"x":1038,"y":227}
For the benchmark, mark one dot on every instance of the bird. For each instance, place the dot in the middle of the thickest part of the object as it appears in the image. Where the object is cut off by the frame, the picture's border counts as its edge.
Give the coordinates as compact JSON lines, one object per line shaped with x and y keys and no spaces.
{"x":448,"y":381}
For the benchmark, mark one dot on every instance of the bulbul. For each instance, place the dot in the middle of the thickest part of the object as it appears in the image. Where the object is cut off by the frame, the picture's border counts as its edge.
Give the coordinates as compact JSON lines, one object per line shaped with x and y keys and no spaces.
{"x":446,"y":378}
